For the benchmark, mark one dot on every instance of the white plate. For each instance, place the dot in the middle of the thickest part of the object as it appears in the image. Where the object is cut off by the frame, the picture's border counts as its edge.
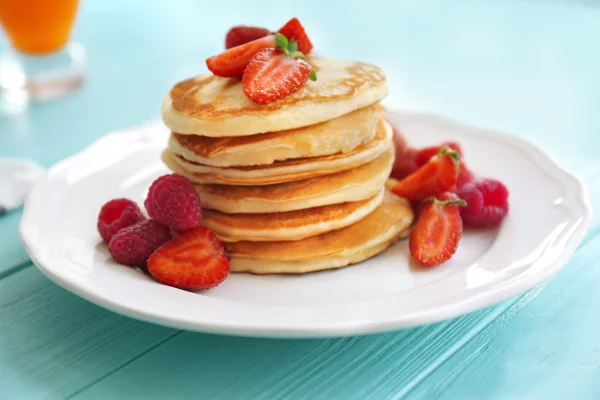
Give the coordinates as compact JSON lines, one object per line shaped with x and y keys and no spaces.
{"x":549,"y":216}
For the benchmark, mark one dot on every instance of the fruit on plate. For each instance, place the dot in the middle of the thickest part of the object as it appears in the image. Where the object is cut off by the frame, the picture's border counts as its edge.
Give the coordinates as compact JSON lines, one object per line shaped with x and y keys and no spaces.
{"x":436,"y":176}
{"x":487,"y":203}
{"x":133,"y":245}
{"x":173,"y":201}
{"x":192,"y":260}
{"x":435,"y":237}
{"x":116,"y":215}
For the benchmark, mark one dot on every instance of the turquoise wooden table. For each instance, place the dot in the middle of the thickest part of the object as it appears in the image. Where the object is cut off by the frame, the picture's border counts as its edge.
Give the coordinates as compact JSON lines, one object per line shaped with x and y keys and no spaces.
{"x":526,"y":67}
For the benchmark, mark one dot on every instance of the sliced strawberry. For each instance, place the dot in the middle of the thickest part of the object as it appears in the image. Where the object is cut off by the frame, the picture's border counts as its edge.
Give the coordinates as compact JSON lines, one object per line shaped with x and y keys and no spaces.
{"x":192,"y":260}
{"x":293,"y":30}
{"x":232,"y":63}
{"x":438,"y":175}
{"x":426,"y":153}
{"x":272,"y":75}
{"x":242,"y":34}
{"x":434,"y":238}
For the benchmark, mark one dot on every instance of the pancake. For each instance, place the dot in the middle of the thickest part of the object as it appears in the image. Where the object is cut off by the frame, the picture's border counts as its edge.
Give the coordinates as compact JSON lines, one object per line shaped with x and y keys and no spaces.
{"x":339,"y":135}
{"x":208,"y":105}
{"x":351,"y":185}
{"x":283,"y":171}
{"x":352,"y":244}
{"x":290,"y":225}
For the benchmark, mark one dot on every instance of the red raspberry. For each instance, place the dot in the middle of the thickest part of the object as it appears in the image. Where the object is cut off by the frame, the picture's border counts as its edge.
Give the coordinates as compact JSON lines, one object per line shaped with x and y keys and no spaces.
{"x":133,"y":245}
{"x":487,"y":203}
{"x":239,"y":35}
{"x":172,"y":200}
{"x":116,"y":215}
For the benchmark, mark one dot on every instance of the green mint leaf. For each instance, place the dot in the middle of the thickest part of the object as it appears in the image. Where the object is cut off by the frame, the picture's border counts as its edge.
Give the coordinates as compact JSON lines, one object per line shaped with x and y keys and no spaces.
{"x":313,"y":75}
{"x":281,"y":41}
{"x":293,"y":46}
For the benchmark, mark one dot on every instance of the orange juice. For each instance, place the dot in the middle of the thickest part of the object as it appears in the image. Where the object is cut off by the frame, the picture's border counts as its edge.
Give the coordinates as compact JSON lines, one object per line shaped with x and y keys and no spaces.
{"x":38,"y":26}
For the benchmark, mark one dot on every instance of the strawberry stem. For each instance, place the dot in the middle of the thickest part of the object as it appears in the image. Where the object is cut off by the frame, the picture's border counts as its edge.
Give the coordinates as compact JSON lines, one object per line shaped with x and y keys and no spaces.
{"x":448,"y":151}
{"x":442,"y":203}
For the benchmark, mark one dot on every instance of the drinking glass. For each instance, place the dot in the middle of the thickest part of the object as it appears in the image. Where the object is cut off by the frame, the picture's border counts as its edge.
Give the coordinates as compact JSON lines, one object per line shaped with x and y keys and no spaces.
{"x":42,"y":63}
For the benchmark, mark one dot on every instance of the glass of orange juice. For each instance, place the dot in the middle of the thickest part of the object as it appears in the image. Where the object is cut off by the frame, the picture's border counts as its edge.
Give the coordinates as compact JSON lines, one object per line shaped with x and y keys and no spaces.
{"x":43,"y":63}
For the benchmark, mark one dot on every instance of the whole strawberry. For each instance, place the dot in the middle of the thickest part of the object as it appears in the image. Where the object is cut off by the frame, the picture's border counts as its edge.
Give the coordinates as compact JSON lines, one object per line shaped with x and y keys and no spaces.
{"x":133,"y":245}
{"x":116,"y":215}
{"x":242,"y":34}
{"x":173,"y":201}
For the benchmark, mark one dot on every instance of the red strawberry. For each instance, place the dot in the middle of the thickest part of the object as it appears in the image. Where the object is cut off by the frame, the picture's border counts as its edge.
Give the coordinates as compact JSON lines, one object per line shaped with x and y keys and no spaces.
{"x":293,"y":29}
{"x":192,"y":260}
{"x":434,"y":238}
{"x":272,"y":75}
{"x":426,"y":153}
{"x":465,"y":175}
{"x":242,"y":34}
{"x":404,"y":164}
{"x":232,"y":63}
{"x":438,"y":175}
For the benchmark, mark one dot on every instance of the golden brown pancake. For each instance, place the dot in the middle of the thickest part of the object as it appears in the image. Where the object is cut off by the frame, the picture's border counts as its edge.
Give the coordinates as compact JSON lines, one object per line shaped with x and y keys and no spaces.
{"x":289,"y":225}
{"x":283,"y":171}
{"x":208,"y":105}
{"x":352,"y":244}
{"x":351,"y":185}
{"x":339,"y":135}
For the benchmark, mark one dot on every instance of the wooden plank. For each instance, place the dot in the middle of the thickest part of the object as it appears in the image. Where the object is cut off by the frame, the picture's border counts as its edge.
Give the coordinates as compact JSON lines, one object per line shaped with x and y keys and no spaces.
{"x":550,"y":350}
{"x":218,"y":367}
{"x":53,"y":344}
{"x":12,"y":253}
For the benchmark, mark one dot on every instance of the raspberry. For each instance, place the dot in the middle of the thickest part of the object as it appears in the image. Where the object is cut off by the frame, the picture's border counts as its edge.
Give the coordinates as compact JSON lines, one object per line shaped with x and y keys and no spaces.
{"x":172,"y":200}
{"x":116,"y":215}
{"x":487,"y":203}
{"x":133,"y":245}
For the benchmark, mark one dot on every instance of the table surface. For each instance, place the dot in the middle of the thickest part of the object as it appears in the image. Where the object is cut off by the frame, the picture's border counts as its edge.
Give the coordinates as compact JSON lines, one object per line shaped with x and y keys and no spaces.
{"x":526,"y":67}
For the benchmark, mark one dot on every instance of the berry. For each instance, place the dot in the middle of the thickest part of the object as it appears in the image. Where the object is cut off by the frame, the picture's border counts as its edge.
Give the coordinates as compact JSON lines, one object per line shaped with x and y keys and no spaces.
{"x":426,"y":153}
{"x":487,"y":203}
{"x":173,"y":201}
{"x":404,"y":164}
{"x":192,"y":260}
{"x":241,"y":34}
{"x":133,"y":245}
{"x":232,"y":63}
{"x":438,"y":175}
{"x":293,"y":30}
{"x":272,"y":75}
{"x":116,"y":215}
{"x":434,"y":238}
{"x":465,"y":176}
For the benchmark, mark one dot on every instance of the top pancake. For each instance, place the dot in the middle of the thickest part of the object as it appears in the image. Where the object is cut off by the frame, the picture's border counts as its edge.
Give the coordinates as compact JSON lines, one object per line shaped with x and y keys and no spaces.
{"x":209,"y":105}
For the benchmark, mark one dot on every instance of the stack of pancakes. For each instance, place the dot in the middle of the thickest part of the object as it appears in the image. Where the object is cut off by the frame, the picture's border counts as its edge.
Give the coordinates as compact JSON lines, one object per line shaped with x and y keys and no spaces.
{"x":297,"y":185}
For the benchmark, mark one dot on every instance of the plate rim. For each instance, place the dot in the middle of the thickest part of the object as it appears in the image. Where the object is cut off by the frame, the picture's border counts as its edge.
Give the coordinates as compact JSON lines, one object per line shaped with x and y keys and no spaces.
{"x":491,"y":296}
